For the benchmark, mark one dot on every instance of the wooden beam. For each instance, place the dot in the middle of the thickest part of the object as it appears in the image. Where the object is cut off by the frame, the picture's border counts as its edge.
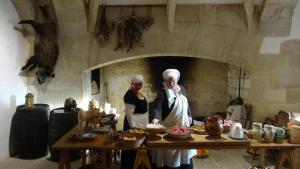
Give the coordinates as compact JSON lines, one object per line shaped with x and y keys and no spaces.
{"x":92,"y":14}
{"x":181,"y":2}
{"x":249,"y":9}
{"x":171,"y":11}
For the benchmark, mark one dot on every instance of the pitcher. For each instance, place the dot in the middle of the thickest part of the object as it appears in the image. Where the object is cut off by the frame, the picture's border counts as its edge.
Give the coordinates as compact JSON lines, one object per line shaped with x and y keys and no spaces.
{"x":269,"y":133}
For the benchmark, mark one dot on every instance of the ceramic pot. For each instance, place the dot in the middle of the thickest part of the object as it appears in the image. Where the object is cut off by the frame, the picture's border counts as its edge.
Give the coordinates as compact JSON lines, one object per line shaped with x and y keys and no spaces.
{"x":269,"y":133}
{"x":213,"y":126}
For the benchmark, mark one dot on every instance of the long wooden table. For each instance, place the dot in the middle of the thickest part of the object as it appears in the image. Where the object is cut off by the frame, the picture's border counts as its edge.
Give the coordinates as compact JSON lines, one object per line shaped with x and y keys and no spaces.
{"x":104,"y":142}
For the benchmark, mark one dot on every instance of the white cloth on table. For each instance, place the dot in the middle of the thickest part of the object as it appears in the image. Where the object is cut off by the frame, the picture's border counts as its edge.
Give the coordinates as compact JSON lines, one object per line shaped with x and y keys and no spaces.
{"x":135,"y":120}
{"x":175,"y":158}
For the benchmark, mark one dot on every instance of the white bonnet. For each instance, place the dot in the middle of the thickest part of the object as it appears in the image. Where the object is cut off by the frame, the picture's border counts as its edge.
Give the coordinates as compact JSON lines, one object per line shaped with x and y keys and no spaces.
{"x":174,"y":73}
{"x":137,"y":79}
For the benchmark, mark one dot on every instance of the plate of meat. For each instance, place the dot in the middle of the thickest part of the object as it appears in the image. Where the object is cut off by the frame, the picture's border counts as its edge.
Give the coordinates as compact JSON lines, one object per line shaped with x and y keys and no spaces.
{"x":179,"y":132}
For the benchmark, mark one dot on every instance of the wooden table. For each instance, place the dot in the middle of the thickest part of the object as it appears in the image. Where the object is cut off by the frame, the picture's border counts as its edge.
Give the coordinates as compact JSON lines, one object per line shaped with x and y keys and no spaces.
{"x":286,"y":152}
{"x":103,"y":142}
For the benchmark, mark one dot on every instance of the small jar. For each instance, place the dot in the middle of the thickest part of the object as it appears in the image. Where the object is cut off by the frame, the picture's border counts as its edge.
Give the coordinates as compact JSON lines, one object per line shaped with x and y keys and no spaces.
{"x":29,"y":100}
{"x":280,"y":135}
{"x":257,"y":131}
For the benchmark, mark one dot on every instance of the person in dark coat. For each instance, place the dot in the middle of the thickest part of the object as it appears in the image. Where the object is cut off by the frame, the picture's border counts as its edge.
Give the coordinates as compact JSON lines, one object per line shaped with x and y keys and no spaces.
{"x":171,"y":109}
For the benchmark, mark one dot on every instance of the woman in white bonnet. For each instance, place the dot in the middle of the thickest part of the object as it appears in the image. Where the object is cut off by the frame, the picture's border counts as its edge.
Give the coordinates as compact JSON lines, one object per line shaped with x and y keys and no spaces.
{"x":171,"y":109}
{"x":136,"y":115}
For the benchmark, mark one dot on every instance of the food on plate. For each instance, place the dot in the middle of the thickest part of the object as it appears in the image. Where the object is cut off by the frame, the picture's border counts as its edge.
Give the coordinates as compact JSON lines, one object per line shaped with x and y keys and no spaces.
{"x":179,"y":130}
{"x":154,"y":126}
{"x":137,"y":131}
{"x":228,"y":122}
{"x":226,"y":125}
{"x":198,"y":129}
{"x":129,"y":138}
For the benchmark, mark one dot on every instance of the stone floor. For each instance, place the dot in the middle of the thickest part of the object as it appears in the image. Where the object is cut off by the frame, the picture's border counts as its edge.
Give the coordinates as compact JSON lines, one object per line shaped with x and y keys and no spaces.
{"x":218,"y":159}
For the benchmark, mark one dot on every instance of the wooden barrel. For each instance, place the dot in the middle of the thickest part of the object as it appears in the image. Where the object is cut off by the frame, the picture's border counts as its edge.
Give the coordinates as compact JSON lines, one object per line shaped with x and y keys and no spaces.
{"x":29,"y":132}
{"x":60,"y":122}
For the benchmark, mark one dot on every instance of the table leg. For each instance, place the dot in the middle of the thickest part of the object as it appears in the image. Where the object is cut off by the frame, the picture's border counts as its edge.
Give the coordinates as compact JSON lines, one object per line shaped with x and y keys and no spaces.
{"x":286,"y":154}
{"x":64,"y":160}
{"x":83,"y":157}
{"x":142,"y":159}
{"x":292,"y":159}
{"x":262,"y":157}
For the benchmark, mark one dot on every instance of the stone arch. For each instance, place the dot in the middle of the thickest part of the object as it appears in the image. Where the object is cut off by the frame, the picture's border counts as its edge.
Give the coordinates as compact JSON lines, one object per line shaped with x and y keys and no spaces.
{"x":218,"y":59}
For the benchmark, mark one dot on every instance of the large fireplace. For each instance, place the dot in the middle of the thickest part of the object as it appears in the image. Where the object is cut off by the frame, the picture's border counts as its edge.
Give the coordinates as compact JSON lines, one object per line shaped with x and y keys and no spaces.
{"x":206,"y":81}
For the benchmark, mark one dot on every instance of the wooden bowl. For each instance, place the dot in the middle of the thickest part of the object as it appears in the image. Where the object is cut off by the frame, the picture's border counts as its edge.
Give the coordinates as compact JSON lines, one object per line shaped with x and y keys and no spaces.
{"x":198,"y":129}
{"x":156,"y":130}
{"x":131,"y":140}
{"x":180,"y":136}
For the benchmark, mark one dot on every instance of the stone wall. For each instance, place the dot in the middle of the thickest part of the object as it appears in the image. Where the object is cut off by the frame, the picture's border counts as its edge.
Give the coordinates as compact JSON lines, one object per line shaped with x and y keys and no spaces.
{"x":275,"y":81}
{"x":219,"y":35}
{"x":13,"y":48}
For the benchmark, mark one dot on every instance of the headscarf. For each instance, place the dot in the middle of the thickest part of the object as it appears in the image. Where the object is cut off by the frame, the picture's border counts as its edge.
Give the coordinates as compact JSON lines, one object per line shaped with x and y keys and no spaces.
{"x":137,"y":79}
{"x":174,"y":73}
{"x":171,"y":93}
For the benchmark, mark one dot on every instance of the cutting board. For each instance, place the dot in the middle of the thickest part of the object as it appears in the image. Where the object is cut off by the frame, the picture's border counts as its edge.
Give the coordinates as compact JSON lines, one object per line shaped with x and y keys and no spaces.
{"x":195,"y":141}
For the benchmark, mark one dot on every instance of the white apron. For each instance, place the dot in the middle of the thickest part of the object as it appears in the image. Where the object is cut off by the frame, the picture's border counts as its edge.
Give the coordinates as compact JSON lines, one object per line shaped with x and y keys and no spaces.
{"x":175,"y":158}
{"x":136,"y":120}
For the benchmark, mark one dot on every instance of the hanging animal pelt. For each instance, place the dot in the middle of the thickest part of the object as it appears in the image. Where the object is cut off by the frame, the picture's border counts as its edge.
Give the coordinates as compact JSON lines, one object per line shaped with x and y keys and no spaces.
{"x":45,"y":50}
{"x":129,"y":32}
{"x":103,"y":29}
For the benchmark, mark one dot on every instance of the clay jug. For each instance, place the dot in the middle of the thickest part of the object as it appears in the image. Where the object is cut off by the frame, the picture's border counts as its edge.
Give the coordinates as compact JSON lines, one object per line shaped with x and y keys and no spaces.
{"x":213,"y":126}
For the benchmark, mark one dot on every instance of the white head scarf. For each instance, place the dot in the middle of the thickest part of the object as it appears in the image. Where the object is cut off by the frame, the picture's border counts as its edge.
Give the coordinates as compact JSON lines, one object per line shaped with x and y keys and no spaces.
{"x":171,"y":93}
{"x":174,"y":73}
{"x":137,"y":79}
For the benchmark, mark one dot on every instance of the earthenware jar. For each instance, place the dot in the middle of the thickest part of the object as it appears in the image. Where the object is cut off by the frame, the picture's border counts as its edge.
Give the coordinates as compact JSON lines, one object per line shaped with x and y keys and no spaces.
{"x":269,"y":133}
{"x":279,"y":135}
{"x":257,"y":131}
{"x":213,"y":126}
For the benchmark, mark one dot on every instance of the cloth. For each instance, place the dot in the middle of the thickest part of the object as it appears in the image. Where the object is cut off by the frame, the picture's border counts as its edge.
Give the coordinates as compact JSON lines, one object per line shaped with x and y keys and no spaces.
{"x":178,"y":116}
{"x":136,"y":120}
{"x":171,"y":94}
{"x":160,"y":108}
{"x":174,"y":158}
{"x":136,"y":116}
{"x":237,"y":113}
{"x":174,"y":73}
{"x":140,"y":104}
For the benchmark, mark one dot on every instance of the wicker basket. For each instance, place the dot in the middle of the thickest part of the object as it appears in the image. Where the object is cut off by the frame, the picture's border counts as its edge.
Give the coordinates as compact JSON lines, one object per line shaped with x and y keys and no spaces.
{"x":131,"y":143}
{"x":295,"y":134}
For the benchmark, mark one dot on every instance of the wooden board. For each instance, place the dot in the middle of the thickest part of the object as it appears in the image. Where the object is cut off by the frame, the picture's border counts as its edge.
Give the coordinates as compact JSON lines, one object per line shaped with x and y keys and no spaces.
{"x":197,"y":141}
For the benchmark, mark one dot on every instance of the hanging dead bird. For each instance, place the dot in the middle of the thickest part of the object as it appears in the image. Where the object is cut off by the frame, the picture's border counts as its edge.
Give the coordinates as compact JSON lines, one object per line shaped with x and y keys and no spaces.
{"x":146,"y":22}
{"x":103,"y":29}
{"x":45,"y":50}
{"x":133,"y":32}
{"x":120,"y":35}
